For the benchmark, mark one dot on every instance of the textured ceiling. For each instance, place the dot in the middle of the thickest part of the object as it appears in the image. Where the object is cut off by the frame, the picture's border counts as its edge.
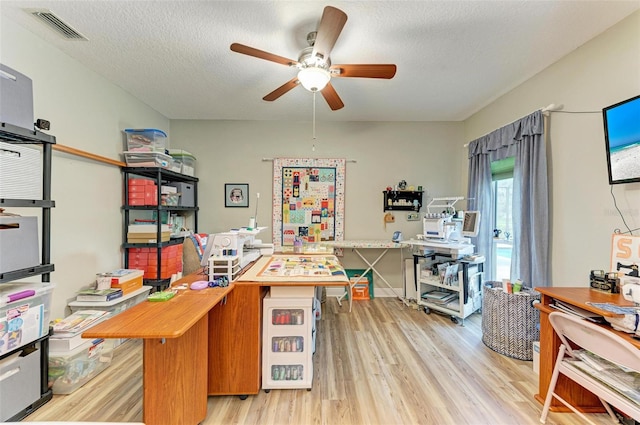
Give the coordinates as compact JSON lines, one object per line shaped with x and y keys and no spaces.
{"x":453,"y":57}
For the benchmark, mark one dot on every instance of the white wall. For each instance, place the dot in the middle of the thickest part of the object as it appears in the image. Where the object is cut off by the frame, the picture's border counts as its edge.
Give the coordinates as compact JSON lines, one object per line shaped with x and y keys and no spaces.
{"x":88,"y":113}
{"x":425,"y":154}
{"x":602,"y":72}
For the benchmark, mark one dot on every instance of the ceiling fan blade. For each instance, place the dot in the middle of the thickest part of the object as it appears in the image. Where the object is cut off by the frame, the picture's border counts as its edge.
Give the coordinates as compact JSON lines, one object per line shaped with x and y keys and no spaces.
{"x":332,"y":98}
{"x":246,"y":50}
{"x":281,"y":90}
{"x":364,"y":71}
{"x":331,"y":25}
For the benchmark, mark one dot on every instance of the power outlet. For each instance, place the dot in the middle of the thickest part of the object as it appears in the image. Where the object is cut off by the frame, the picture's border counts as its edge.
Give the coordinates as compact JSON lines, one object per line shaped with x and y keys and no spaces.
{"x":413,"y":216}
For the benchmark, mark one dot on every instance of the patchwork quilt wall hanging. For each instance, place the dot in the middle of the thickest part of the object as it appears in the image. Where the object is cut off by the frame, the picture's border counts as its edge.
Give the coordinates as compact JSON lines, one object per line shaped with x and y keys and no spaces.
{"x":308,"y":200}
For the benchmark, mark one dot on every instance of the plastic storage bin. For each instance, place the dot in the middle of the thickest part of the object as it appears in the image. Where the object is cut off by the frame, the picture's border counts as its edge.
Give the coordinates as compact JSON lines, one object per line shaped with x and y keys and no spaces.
{"x":20,"y":171}
{"x":114,"y":306}
{"x":20,"y":382}
{"x":24,"y":313}
{"x":146,"y":140}
{"x":360,"y":291}
{"x":187,"y":193}
{"x":149,"y":159}
{"x":19,"y":248}
{"x":70,"y":370}
{"x":186,"y":160}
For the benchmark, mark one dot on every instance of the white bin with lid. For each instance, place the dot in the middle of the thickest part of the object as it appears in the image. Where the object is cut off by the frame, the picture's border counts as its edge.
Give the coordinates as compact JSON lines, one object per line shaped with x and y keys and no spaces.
{"x":72,"y":369}
{"x":24,"y":313}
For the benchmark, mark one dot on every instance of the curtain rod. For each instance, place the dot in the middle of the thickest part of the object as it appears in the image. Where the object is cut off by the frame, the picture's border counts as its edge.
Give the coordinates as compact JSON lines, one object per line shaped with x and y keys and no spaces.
{"x":552,"y":107}
{"x":347,"y":160}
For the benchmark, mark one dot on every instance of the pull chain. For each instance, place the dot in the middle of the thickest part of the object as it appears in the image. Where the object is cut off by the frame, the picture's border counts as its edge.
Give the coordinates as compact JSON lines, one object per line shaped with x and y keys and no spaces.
{"x":314,"y":115}
{"x":313,"y":148}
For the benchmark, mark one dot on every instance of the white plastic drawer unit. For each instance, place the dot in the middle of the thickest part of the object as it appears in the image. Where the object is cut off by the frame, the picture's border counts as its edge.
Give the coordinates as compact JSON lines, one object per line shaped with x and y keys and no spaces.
{"x":288,"y":349}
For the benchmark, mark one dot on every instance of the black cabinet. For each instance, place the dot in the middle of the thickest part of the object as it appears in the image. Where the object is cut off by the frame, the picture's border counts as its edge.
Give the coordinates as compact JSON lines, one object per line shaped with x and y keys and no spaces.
{"x":17,"y":135}
{"x":402,"y":200}
{"x":156,"y":272}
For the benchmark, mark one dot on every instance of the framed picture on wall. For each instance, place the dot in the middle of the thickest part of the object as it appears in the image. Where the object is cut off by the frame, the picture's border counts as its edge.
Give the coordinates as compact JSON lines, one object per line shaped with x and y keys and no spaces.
{"x":236,"y":195}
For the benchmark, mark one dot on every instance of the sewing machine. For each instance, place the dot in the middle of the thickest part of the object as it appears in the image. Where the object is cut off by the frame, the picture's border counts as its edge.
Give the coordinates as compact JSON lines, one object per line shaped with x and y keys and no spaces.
{"x":630,"y":289}
{"x":444,"y":233}
{"x":240,"y":242}
{"x":441,"y":226}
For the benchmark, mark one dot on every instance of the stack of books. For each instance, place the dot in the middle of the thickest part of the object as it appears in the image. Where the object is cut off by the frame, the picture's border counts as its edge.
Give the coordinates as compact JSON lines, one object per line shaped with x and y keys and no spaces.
{"x":128,"y":280}
{"x":147,"y":233}
{"x":99,"y":295}
{"x":67,"y":333}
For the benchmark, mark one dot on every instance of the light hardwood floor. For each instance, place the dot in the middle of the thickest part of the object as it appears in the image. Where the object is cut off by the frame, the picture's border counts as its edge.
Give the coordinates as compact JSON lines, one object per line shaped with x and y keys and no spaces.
{"x":383,"y":363}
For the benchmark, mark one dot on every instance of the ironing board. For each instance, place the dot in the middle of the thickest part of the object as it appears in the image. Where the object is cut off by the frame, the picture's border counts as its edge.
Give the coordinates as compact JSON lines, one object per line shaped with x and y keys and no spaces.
{"x":359,"y":245}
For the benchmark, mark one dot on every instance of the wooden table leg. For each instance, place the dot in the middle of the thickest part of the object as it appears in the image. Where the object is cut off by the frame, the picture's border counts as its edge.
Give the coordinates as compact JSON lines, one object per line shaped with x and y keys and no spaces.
{"x":235,"y":343}
{"x":175,"y":378}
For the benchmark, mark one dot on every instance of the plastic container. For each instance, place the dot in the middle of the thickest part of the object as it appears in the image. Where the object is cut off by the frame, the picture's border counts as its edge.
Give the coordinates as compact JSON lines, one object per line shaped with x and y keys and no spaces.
{"x":170,"y":199}
{"x":19,"y":248}
{"x":24,"y":309}
{"x":70,"y":370}
{"x":186,"y":160}
{"x":360,"y":291}
{"x":146,"y":140}
{"x":149,"y":159}
{"x":114,"y":306}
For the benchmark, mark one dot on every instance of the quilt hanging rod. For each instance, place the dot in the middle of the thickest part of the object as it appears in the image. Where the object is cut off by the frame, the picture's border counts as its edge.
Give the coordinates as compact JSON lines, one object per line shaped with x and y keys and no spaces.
{"x":271,"y":159}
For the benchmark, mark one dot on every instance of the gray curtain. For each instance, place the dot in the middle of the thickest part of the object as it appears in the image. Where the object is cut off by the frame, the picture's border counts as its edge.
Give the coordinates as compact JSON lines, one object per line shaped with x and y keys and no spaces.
{"x":523,"y":140}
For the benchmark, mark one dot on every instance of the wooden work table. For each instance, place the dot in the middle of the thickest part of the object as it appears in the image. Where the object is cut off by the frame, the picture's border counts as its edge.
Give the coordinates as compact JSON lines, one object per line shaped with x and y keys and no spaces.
{"x":175,"y":351}
{"x":235,"y":349}
{"x":199,"y":343}
{"x":550,"y":343}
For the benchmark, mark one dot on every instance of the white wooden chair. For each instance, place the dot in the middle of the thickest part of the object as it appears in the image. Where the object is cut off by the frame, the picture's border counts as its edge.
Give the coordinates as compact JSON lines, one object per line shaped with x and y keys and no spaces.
{"x":601,"y":342}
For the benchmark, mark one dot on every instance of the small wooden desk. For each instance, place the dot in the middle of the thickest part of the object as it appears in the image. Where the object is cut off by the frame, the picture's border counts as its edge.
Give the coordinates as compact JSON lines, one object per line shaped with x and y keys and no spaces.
{"x":175,"y":351}
{"x":550,"y":344}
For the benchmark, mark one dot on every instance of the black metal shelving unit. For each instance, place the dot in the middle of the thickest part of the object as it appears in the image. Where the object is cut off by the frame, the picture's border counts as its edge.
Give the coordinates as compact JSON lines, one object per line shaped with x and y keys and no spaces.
{"x":18,"y":135}
{"x":161,"y":176}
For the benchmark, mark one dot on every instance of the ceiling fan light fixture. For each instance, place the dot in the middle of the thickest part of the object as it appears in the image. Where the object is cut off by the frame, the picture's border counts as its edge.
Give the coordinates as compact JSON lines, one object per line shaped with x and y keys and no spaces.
{"x":313,"y":78}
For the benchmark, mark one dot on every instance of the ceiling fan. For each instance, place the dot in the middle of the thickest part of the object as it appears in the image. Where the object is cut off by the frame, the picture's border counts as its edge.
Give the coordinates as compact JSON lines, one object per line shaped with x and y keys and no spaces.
{"x":314,"y":63}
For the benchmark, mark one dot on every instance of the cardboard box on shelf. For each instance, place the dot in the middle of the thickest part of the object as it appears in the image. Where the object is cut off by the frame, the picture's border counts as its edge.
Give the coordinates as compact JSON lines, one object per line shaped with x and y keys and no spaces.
{"x":130,"y":285}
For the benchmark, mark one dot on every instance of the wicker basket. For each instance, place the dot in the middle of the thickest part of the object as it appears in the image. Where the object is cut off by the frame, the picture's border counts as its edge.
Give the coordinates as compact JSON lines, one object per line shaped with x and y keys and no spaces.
{"x":509,"y":322}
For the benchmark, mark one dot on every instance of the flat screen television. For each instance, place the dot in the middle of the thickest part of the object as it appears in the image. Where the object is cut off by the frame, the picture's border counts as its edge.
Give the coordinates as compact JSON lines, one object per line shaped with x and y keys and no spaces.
{"x":622,"y":139}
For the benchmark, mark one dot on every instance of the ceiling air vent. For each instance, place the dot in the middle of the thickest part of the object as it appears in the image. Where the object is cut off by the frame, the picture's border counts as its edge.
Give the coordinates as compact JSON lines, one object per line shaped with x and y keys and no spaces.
{"x":57,"y":24}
